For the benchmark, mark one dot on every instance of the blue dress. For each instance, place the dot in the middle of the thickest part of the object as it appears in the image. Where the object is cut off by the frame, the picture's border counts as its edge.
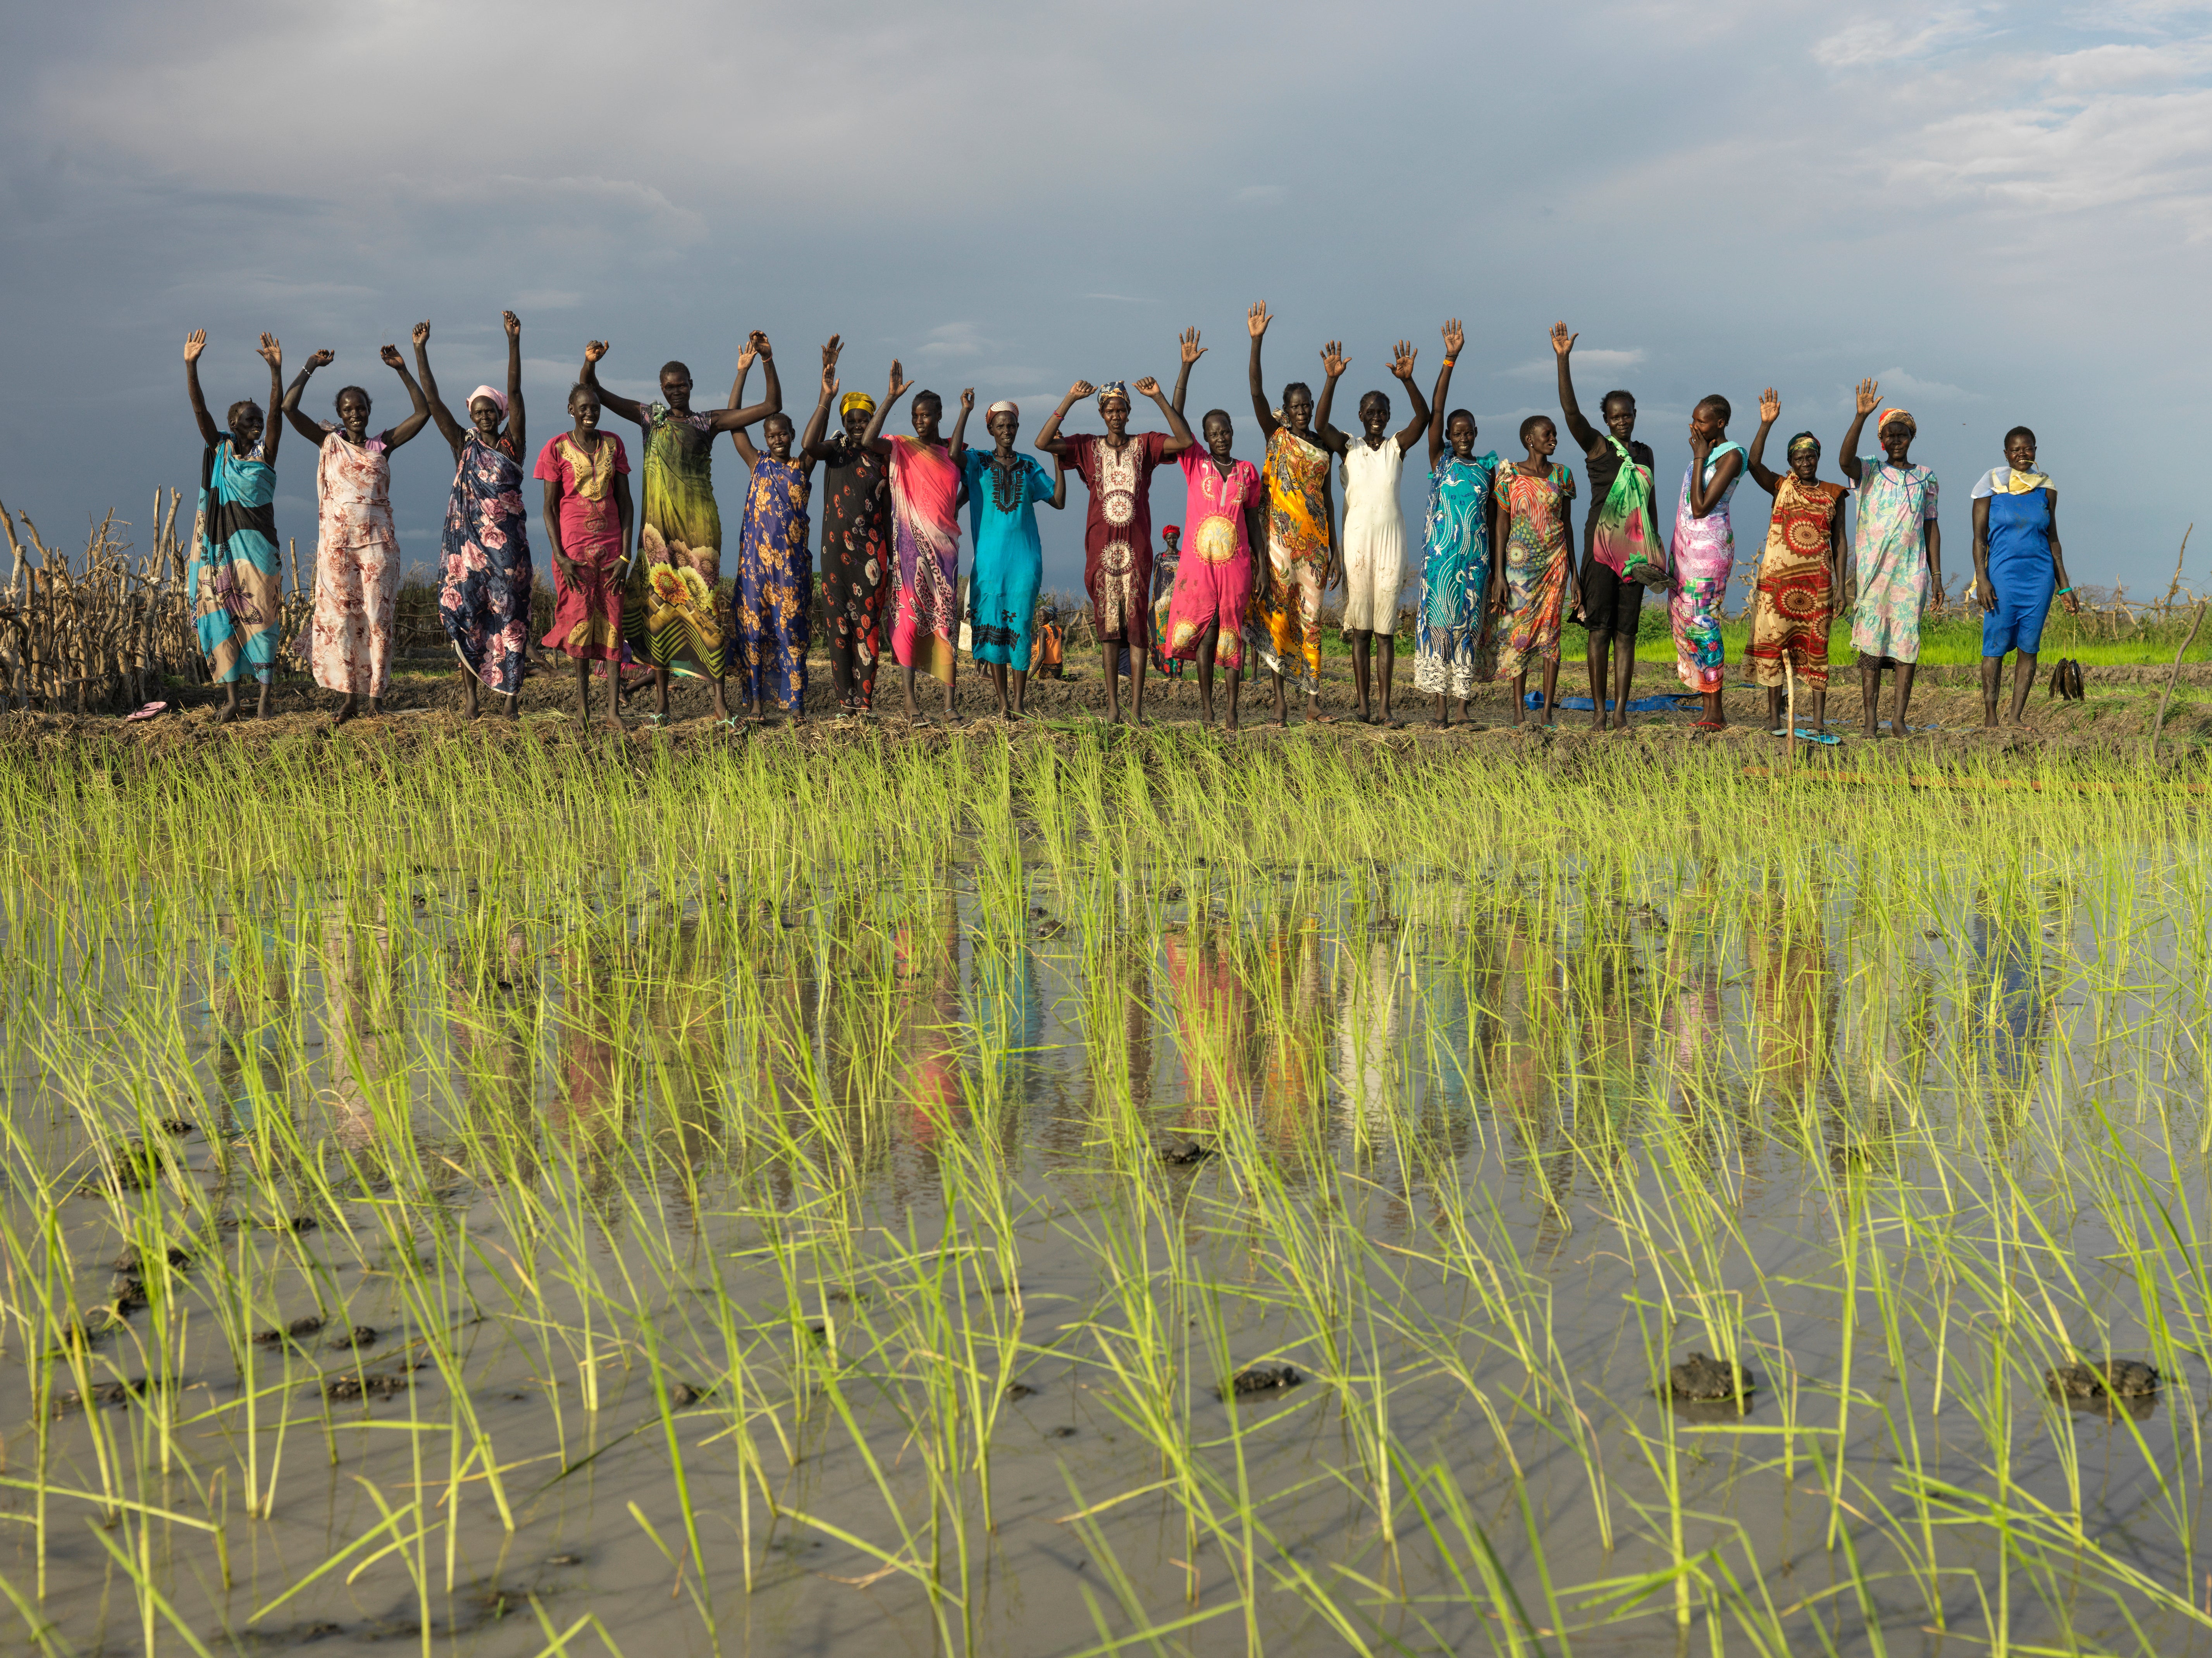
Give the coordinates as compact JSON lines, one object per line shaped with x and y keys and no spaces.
{"x":485,"y":598}
{"x":1002,"y":591}
{"x":772,"y":600}
{"x":236,"y":583}
{"x":2022,"y":571}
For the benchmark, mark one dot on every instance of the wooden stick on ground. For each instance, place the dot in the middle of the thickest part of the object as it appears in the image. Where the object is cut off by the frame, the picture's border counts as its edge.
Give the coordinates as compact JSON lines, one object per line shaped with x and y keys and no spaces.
{"x":2196,"y":622}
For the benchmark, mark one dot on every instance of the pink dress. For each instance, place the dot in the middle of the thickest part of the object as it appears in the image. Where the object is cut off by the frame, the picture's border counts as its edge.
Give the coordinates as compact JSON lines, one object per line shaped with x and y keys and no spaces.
{"x":588,"y":613}
{"x":356,"y":566}
{"x":1213,"y":581}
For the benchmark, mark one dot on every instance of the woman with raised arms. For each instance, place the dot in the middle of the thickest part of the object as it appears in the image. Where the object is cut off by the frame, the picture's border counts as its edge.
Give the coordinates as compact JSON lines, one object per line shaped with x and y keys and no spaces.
{"x":1374,"y":528}
{"x":669,"y":609}
{"x":1623,"y":552}
{"x":1301,"y":532}
{"x":1799,"y":571}
{"x":1897,"y":549}
{"x":1117,"y":535}
{"x":1454,"y":648}
{"x":484,"y":598}
{"x":772,"y":601}
{"x":233,"y":578}
{"x":1227,"y":513}
{"x":588,"y":519}
{"x":856,"y":546}
{"x":1005,"y":489}
{"x":926,"y":491}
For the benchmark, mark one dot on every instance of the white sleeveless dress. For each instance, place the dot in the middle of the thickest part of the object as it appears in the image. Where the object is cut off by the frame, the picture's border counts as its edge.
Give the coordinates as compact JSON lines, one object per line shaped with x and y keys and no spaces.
{"x":1374,"y":533}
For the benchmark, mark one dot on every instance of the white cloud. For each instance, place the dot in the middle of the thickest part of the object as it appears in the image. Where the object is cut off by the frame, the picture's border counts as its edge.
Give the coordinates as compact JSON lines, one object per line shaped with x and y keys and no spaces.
{"x":1880,"y":41}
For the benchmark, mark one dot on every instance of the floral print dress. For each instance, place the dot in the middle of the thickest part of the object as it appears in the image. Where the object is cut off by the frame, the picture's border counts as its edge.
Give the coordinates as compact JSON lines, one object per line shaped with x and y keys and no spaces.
{"x":856,"y":564}
{"x":1536,"y":560}
{"x":772,"y":601}
{"x":484,"y":598}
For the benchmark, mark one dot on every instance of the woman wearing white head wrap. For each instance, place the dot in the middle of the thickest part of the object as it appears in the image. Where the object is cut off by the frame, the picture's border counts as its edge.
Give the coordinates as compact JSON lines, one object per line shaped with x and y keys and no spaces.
{"x":1005,"y":489}
{"x":483,"y":597}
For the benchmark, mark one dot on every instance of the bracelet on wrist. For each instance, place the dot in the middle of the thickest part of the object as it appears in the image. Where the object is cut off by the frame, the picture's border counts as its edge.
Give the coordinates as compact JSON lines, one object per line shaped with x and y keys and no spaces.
{"x":1450,"y":361}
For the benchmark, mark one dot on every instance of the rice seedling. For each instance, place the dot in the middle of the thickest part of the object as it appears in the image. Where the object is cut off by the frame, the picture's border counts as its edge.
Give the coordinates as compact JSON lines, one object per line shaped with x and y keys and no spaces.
{"x":865,"y":1203}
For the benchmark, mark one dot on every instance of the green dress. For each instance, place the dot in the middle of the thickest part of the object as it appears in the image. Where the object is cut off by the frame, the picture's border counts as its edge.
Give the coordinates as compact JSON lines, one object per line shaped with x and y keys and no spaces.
{"x":670,"y":610}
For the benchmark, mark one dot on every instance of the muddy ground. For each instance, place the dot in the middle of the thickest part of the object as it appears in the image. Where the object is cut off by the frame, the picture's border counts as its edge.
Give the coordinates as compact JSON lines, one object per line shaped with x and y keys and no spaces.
{"x":1945,"y":717}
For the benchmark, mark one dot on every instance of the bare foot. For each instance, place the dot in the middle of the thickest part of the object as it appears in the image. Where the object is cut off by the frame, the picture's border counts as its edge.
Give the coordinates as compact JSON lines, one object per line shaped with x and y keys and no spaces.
{"x":346,"y":712}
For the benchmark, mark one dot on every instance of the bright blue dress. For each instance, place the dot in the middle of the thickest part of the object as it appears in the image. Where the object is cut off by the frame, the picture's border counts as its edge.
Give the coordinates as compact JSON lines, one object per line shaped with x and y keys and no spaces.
{"x":2022,"y":571}
{"x":1002,"y":590}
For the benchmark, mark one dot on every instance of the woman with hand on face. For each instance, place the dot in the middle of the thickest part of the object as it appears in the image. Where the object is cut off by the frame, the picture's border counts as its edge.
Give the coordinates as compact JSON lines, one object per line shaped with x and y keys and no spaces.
{"x":1454,"y":648}
{"x":926,"y":491}
{"x":1704,"y":555}
{"x":669,"y":609}
{"x":1227,"y":510}
{"x":2018,"y":565}
{"x":357,"y":568}
{"x":1798,"y":572}
{"x":1532,"y":510}
{"x":484,"y":598}
{"x":1005,"y":489}
{"x":1301,"y":532}
{"x":1374,"y":528}
{"x":233,"y":577}
{"x":1623,"y":552}
{"x":772,"y":603}
{"x":856,"y":544}
{"x":588,"y":519}
{"x":1117,"y":537}
{"x":1898,"y":550}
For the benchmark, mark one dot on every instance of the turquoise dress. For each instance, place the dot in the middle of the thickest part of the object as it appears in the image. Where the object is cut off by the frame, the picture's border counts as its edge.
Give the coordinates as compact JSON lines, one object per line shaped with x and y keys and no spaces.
{"x":1002,"y":591}
{"x":234,"y":578}
{"x":2022,"y":571}
{"x":1453,"y":649}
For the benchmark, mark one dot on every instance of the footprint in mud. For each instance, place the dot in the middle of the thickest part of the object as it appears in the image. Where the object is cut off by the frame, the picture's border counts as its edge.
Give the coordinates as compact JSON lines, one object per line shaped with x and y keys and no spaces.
{"x":366,"y":1385}
{"x":132,"y":1391}
{"x":1259,"y":1378}
{"x":1701,"y":1380}
{"x":362,"y":1335}
{"x":2105,"y":1384}
{"x":293,"y":1331}
{"x":1018,"y":1390}
{"x":1183,"y":1149}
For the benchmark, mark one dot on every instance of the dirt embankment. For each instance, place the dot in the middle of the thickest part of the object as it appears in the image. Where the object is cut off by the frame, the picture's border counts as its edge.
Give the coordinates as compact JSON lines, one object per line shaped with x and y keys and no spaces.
{"x":1945,"y":716}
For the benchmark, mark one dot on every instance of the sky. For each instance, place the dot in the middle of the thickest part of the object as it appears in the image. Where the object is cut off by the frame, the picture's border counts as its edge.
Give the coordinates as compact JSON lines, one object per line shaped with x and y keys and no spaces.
{"x":2003,"y":212}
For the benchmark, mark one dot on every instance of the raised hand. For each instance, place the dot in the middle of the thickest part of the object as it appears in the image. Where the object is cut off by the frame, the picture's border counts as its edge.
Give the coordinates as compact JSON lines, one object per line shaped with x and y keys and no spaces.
{"x":1334,"y":361}
{"x":832,"y":351}
{"x":1770,"y":407}
{"x":512,"y":323}
{"x":390,"y":354}
{"x":1256,"y":320}
{"x":758,"y":342}
{"x":322,"y":359}
{"x":746,"y":353}
{"x":967,"y":399}
{"x":1081,"y":389}
{"x":593,"y":349}
{"x":899,"y":385}
{"x":1147,"y":385}
{"x":1401,"y":365}
{"x":1192,"y":351}
{"x":1562,"y":341}
{"x":830,"y":384}
{"x":1455,"y":337}
{"x":422,"y":335}
{"x":1870,"y":396}
{"x":270,"y":351}
{"x":195,"y":343}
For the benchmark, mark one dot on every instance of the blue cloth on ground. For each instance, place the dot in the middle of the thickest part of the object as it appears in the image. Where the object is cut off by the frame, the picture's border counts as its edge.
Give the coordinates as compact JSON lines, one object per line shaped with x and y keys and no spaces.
{"x":1637,"y":705}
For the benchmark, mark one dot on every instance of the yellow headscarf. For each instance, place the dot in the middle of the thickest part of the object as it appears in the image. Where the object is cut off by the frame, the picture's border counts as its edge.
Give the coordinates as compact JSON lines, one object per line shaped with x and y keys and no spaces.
{"x":852,"y":400}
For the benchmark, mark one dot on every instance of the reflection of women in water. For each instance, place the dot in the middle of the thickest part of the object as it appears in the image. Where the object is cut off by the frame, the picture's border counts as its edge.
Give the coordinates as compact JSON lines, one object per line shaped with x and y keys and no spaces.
{"x":1794,"y":1000}
{"x":1367,"y":1030}
{"x":246,"y":999}
{"x":362,"y":1042}
{"x":925,"y":961}
{"x":1216,"y":1024}
{"x":491,"y":1004}
{"x":2009,"y":1008}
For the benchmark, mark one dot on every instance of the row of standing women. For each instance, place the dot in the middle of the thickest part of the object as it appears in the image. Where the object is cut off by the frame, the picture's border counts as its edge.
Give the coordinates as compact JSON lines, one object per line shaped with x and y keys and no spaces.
{"x":891,"y":533}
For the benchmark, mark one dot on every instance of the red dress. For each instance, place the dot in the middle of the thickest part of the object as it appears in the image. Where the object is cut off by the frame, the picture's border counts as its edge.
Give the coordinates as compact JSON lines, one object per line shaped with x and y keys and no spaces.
{"x":1117,"y":537}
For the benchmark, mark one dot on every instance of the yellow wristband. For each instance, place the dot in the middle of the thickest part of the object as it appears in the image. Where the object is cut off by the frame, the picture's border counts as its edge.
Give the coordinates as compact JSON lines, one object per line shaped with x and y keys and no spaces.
{"x":1449,"y":361}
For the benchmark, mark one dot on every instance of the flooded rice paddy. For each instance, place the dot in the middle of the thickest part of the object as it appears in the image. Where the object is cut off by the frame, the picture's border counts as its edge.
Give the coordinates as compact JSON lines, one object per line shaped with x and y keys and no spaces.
{"x":1085,"y":1203}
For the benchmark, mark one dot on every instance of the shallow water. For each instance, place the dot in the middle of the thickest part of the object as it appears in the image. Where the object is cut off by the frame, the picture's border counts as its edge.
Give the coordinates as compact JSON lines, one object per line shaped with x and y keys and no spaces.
{"x":794,"y":1270}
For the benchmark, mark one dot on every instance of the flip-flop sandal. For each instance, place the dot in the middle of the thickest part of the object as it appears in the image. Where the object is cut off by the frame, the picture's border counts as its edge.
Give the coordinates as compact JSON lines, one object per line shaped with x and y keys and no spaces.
{"x":1820,"y":737}
{"x":1707,"y":725}
{"x":150,"y":711}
